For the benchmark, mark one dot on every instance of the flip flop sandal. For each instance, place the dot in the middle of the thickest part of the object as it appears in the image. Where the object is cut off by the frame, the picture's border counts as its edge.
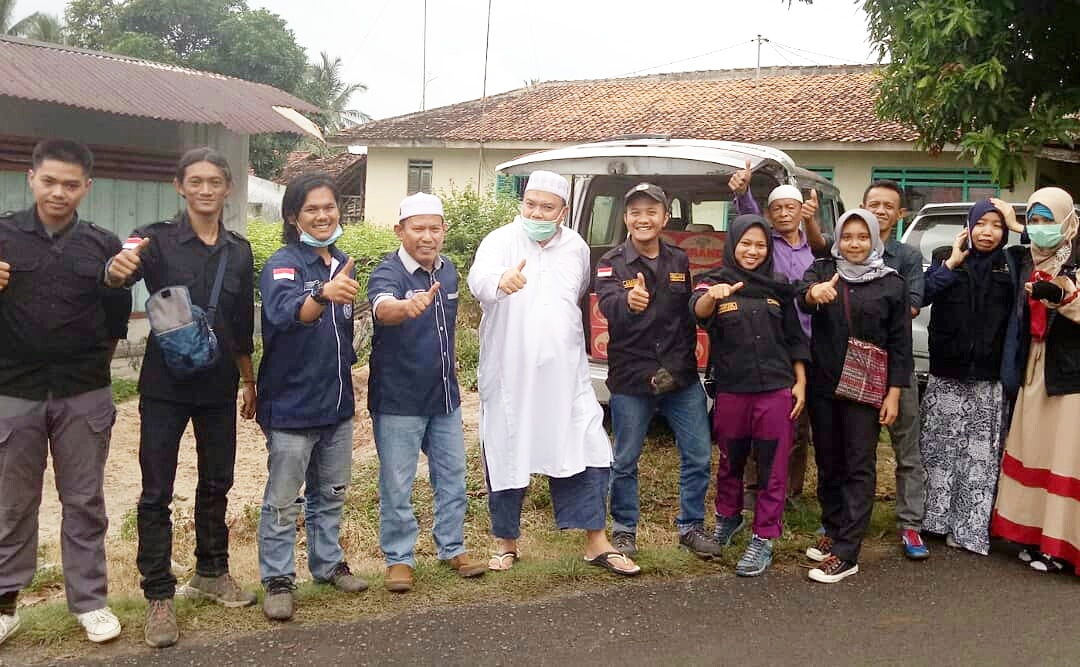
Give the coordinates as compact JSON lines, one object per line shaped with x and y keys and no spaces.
{"x":502,"y":562}
{"x":604,"y":561}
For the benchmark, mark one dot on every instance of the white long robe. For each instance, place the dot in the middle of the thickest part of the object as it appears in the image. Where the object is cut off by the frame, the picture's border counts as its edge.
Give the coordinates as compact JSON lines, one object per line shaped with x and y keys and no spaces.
{"x":538,"y":411}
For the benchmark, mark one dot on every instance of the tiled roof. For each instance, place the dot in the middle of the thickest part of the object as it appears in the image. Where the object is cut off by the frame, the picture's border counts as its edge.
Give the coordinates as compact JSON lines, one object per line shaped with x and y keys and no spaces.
{"x":302,"y":162}
{"x":126,"y":86}
{"x":795,"y":104}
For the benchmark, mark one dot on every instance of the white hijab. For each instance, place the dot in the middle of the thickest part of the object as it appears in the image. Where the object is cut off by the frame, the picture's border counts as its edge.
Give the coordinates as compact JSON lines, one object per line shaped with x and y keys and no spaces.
{"x":873,"y":267}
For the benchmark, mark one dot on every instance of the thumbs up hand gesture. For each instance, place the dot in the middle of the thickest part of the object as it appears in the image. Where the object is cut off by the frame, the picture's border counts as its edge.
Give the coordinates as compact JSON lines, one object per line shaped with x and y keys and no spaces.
{"x":822,"y":293}
{"x":419,"y":302}
{"x":740,"y":180}
{"x":513,"y":280}
{"x":125,"y":263}
{"x":810,"y":206}
{"x":637,"y":299}
{"x":722,"y":291}
{"x":341,"y":288}
{"x":5,"y":274}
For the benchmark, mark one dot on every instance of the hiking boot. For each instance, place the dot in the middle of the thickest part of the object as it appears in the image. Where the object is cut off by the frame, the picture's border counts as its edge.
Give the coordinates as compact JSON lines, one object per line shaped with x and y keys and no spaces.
{"x":344,"y":580}
{"x":223,"y":590}
{"x":9,"y":624}
{"x":913,"y":545}
{"x":821,"y":551}
{"x":466,"y":567}
{"x":727,"y":527}
{"x":702,"y":544}
{"x":756,"y":559}
{"x":624,"y":542}
{"x":101,"y":625}
{"x":160,"y":628}
{"x":833,"y":570}
{"x":278,"y":603}
{"x":398,"y":578}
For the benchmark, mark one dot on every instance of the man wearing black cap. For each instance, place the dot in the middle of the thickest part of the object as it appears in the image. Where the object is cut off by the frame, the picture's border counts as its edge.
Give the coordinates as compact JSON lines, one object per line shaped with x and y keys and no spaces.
{"x":644,"y":290}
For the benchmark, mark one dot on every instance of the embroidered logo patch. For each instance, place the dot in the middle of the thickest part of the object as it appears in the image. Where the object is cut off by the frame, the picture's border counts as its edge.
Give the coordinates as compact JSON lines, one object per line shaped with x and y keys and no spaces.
{"x":284,"y":274}
{"x":629,"y":284}
{"x":677,"y":277}
{"x":772,"y":302}
{"x":452,"y":295}
{"x":603,"y":272}
{"x":132,"y":242}
{"x":702,"y":286}
{"x":727,"y":307}
{"x":347,"y":311}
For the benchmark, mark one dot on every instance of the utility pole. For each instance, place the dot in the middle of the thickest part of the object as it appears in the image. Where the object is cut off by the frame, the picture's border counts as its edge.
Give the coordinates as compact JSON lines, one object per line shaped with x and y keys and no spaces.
{"x":423,"y":62}
{"x":759,"y":40}
{"x":483,"y":103}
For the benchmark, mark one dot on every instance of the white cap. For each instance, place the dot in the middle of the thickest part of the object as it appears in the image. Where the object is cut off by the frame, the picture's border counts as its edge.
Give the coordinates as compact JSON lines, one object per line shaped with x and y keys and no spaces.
{"x":420,"y":203}
{"x":785,"y":192}
{"x":549,"y":181}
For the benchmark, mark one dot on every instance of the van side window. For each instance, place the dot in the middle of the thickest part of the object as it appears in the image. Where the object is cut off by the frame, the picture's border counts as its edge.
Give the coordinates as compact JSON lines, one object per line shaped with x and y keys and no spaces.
{"x":711,"y":213}
{"x":602,"y":222}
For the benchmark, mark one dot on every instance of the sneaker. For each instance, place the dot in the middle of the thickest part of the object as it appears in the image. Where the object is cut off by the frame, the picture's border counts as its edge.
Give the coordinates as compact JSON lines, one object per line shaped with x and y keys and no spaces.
{"x":833,"y":570}
{"x":702,"y":544}
{"x":913,"y":545}
{"x":1041,"y":562}
{"x":1028,"y":554}
{"x":101,"y":625}
{"x":9,"y":625}
{"x":344,"y":580}
{"x":624,"y":542}
{"x":821,"y":551}
{"x":467,"y":567}
{"x":953,"y":544}
{"x":756,"y":559}
{"x":278,"y":603}
{"x":726,"y":527}
{"x":160,"y":628}
{"x":223,"y":589}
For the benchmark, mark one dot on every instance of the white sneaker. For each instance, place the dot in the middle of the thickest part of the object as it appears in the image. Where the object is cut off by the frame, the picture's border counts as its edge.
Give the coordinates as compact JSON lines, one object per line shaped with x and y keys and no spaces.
{"x":101,"y":624}
{"x":9,"y":625}
{"x":951,"y":543}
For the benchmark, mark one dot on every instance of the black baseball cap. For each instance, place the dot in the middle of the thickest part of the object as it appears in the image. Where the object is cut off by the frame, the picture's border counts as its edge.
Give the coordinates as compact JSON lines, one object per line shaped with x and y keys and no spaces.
{"x":649,"y":190}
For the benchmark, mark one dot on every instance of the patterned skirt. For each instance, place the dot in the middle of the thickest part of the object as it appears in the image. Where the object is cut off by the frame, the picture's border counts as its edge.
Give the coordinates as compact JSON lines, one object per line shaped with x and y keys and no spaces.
{"x":961,"y":449}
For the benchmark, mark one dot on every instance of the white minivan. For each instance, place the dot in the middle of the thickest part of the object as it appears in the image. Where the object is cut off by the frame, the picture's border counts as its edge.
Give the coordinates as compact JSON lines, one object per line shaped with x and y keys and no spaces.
{"x":694,"y":174}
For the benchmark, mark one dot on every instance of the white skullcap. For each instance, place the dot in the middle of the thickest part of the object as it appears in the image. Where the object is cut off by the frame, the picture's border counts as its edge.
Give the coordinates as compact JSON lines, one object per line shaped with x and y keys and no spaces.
{"x":549,"y":181}
{"x":420,"y":203}
{"x":785,"y":192}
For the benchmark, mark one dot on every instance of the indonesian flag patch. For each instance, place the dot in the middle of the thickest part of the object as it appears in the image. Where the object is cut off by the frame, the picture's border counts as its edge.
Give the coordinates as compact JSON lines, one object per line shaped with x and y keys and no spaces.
{"x":284,"y":274}
{"x":702,"y":286}
{"x":132,"y":242}
{"x":603,"y":272}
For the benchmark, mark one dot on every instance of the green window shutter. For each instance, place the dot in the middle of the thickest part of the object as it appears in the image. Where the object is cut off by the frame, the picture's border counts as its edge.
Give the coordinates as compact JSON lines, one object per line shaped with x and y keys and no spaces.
{"x":504,"y":184}
{"x":825,"y":172}
{"x":934,"y":186}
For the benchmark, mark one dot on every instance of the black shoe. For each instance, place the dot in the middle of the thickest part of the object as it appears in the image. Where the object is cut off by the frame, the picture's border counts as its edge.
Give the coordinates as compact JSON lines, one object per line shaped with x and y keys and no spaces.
{"x":702,"y":544}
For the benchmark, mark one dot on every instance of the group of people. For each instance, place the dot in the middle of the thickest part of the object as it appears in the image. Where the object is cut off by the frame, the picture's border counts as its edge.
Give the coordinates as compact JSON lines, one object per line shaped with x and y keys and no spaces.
{"x":793,"y":318}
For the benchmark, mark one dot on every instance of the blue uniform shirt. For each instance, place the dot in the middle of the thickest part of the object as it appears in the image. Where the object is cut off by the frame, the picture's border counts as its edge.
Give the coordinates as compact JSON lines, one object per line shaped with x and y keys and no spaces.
{"x":305,"y":378}
{"x":412,"y":363}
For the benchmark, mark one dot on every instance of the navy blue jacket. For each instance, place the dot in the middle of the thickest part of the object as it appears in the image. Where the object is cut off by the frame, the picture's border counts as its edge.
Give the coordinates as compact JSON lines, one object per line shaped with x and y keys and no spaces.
{"x":305,"y":378}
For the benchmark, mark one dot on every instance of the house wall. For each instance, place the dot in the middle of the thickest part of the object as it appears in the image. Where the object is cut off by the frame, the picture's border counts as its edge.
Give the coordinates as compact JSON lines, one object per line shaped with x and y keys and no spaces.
{"x":387,"y":174}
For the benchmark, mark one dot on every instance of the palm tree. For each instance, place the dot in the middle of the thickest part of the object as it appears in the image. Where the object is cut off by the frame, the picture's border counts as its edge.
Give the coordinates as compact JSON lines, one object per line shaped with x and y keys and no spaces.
{"x":39,"y":25}
{"x":328,"y":91}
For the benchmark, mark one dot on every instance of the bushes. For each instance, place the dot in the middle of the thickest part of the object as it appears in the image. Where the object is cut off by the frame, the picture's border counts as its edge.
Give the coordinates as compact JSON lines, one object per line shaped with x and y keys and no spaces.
{"x":469,"y":218}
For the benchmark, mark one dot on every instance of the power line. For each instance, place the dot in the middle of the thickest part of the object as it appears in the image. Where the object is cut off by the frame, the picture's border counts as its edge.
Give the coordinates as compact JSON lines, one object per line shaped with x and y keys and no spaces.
{"x":814,"y":53}
{"x":683,"y":60}
{"x":796,"y":55}
{"x":778,"y":52}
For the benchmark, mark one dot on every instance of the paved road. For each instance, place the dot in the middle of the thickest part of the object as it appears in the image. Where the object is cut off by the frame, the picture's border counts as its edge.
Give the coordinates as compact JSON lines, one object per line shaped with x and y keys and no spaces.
{"x":955,"y":609}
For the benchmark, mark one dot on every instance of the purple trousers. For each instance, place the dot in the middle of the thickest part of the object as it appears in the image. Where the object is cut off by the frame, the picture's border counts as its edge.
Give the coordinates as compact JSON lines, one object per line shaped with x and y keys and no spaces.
{"x":758,"y":422}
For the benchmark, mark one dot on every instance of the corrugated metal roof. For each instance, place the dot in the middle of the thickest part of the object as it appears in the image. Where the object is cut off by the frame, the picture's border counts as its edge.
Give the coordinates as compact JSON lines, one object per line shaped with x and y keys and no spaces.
{"x":126,"y":86}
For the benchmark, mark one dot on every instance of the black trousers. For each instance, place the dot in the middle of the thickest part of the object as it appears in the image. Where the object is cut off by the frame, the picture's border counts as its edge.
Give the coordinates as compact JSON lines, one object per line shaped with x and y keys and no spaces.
{"x":163,"y":424}
{"x":845,"y":448}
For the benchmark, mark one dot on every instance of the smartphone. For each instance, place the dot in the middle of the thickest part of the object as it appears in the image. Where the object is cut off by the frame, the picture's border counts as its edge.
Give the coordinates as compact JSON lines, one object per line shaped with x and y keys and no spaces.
{"x":965,"y":244}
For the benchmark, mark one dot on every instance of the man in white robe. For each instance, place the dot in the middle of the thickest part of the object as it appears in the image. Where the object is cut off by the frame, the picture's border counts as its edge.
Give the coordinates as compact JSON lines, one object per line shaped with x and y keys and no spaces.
{"x":538,"y":412}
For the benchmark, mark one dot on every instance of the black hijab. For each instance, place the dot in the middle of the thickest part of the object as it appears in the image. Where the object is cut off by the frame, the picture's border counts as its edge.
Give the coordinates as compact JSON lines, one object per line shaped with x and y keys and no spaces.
{"x":979,"y":265}
{"x":761,"y":282}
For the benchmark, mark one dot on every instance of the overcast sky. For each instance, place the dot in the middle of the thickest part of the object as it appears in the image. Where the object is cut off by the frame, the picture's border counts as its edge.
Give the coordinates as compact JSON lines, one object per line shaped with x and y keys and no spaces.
{"x":380,"y":41}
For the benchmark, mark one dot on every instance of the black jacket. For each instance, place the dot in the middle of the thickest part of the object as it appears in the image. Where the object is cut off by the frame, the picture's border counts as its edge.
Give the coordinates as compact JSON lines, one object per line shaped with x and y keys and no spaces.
{"x":967,"y":341}
{"x":176,"y":256}
{"x":753,"y":341}
{"x":880,"y":314}
{"x":58,"y":321}
{"x":663,"y":335}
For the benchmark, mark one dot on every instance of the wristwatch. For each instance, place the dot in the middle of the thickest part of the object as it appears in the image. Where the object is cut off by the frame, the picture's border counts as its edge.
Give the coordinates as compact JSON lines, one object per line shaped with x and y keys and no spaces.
{"x":317,"y":295}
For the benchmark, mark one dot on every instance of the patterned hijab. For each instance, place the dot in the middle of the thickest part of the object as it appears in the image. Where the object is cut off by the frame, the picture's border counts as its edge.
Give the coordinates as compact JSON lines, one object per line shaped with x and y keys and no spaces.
{"x":873,"y":267}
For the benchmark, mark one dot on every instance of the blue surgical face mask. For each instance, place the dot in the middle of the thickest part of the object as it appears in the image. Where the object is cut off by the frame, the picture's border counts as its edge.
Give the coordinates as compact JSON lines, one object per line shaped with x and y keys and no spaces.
{"x":539,"y":230}
{"x":308,"y":239}
{"x":1045,"y":236}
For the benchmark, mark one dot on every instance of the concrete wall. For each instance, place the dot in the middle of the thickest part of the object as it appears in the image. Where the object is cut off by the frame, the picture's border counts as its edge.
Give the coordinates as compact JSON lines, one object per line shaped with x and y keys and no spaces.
{"x":39,"y":120}
{"x":387,"y":174}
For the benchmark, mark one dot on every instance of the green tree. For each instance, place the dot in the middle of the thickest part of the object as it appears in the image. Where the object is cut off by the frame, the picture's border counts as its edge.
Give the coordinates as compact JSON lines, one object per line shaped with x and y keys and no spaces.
{"x":326,"y":89}
{"x":1001,"y":78}
{"x":39,"y":25}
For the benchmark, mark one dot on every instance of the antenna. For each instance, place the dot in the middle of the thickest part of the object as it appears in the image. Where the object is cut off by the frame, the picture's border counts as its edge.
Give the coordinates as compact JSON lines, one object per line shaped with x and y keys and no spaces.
{"x":423,"y":65}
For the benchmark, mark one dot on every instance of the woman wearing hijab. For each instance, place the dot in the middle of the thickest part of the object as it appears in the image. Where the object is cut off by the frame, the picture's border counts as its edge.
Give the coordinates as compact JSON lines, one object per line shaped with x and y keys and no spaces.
{"x":757,"y":353}
{"x":855,"y":302}
{"x":963,"y":411}
{"x":1038,"y":501}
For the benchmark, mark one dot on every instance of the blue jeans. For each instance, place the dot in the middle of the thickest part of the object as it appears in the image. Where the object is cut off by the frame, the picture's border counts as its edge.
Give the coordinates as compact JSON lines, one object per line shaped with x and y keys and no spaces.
{"x":579,"y":502}
{"x":399,"y":439}
{"x":688,"y":416}
{"x":320,"y":460}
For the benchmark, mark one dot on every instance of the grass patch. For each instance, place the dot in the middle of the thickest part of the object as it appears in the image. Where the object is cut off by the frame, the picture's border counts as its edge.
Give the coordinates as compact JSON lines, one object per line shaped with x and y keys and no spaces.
{"x":123,"y":389}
